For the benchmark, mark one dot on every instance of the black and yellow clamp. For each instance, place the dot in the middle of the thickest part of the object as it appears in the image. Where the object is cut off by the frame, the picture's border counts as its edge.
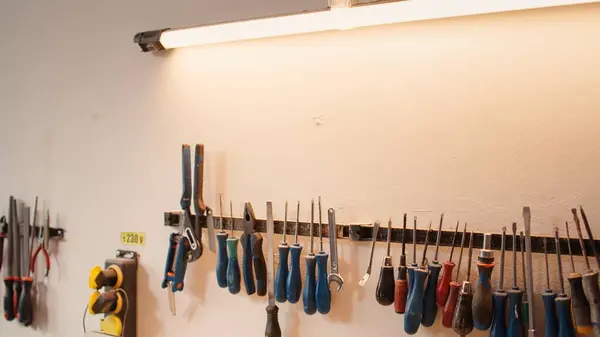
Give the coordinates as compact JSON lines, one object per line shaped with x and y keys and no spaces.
{"x":118,"y":300}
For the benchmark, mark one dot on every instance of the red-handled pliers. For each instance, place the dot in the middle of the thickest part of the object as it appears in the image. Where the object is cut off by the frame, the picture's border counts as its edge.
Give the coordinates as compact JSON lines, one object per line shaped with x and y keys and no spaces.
{"x":43,"y":242}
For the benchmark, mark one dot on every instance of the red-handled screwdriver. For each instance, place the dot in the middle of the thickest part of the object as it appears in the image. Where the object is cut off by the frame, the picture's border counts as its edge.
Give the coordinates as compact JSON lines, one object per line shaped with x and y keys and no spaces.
{"x":444,"y":284}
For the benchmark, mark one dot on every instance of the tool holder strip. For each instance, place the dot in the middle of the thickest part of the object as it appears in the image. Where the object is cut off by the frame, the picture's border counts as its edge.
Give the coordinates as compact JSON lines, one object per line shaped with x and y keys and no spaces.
{"x":55,"y":233}
{"x":364,"y":232}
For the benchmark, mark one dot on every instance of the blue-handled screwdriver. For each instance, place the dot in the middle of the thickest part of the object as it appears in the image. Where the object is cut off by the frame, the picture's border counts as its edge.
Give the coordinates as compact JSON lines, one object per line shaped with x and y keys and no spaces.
{"x":515,"y":295}
{"x":282,"y":269}
{"x":294,"y":280}
{"x":414,"y":303}
{"x":499,"y":297}
{"x":563,"y":302}
{"x":411,"y":269}
{"x":309,"y":292}
{"x":429,"y":297}
{"x":322,"y":293}
{"x":233,"y":265}
{"x":222,"y":259}
{"x":549,"y":298}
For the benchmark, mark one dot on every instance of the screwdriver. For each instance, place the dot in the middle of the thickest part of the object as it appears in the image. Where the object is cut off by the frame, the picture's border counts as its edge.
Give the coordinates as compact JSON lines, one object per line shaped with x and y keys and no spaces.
{"x":581,"y":307}
{"x":450,"y":306}
{"x":308,"y":295}
{"x":411,"y":269}
{"x":429,"y":298}
{"x":282,"y":269}
{"x":414,"y":302}
{"x":272,"y":328}
{"x":515,"y":295}
{"x":462,"y":323}
{"x":384,"y":294}
{"x":499,"y":297}
{"x":483,"y":305}
{"x":294,"y":280}
{"x":444,"y":284}
{"x":525,"y":302}
{"x":322,"y":293}
{"x":563,"y":302}
{"x":233,"y":266}
{"x":590,"y":278}
{"x":401,"y":290}
{"x":549,"y":298}
{"x":222,"y":259}
{"x":9,"y":309}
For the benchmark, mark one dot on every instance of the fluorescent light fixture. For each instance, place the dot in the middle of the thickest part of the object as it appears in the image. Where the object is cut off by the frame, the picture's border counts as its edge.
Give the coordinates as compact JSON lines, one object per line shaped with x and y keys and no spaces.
{"x":337,"y":18}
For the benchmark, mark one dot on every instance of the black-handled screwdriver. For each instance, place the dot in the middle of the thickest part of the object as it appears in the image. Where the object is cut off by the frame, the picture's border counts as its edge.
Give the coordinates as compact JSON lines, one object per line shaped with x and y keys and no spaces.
{"x":525,"y":301}
{"x":563,"y":302}
{"x":233,"y":265}
{"x":282,"y":269}
{"x":581,"y":307}
{"x":462,"y":323}
{"x":272,"y":328}
{"x":429,"y":298}
{"x":384,"y":293}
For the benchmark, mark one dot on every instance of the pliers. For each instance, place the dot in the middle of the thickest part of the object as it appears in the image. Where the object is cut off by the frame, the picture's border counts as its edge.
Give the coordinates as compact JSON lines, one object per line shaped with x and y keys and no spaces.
{"x":43,"y":244}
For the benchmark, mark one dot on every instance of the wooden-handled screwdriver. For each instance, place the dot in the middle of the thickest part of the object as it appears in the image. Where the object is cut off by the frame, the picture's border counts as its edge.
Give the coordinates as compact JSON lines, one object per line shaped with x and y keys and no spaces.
{"x":384,"y":293}
{"x":429,"y":298}
{"x":581,"y":307}
{"x":272,"y":329}
{"x":450,"y":306}
{"x":414,"y":302}
{"x":590,"y":278}
{"x":563,"y":302}
{"x":401,"y":289}
{"x":462,"y":323}
{"x":444,"y":284}
{"x":499,"y":297}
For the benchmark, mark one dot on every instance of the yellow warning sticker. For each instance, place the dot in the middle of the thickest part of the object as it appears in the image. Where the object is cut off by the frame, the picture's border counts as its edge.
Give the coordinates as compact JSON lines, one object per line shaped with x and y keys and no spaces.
{"x":133,"y":238}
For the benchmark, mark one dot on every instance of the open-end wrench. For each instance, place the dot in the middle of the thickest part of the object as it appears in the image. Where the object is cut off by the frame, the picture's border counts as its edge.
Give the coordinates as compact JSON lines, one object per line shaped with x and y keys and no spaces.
{"x":334,"y":276}
{"x":365,"y":278}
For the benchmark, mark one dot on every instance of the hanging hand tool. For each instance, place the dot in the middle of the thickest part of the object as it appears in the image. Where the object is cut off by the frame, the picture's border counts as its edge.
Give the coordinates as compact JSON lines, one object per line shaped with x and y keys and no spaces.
{"x":529,"y":275}
{"x":294,"y":280}
{"x":20,"y":210}
{"x":322,"y":293}
{"x":414,"y":301}
{"x":483,"y":305}
{"x":308,"y":294}
{"x":384,"y":293}
{"x":525,"y":302}
{"x":549,"y":298}
{"x":3,"y":235}
{"x":429,"y":298}
{"x":272,"y":329}
{"x":233,"y":266}
{"x":411,"y":269}
{"x":515,"y":295}
{"x":258,"y":258}
{"x":43,"y":244}
{"x":563,"y":302}
{"x":9,"y":310}
{"x":365,"y":277}
{"x":282,"y":269}
{"x":462,"y":323}
{"x":450,"y":305}
{"x":175,"y":267}
{"x":195,"y":245}
{"x":32,"y":235}
{"x":590,"y":236}
{"x":199,"y":206}
{"x":499,"y":297}
{"x":222,"y":258}
{"x":401,"y":288}
{"x":334,"y":275}
{"x":581,"y":307}
{"x":247,"y":269}
{"x":25,"y":303}
{"x":590,"y":278}
{"x":444,"y":284}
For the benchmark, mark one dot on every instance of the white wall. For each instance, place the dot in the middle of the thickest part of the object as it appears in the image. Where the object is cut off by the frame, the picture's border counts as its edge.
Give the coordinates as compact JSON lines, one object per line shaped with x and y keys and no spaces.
{"x":474,"y":117}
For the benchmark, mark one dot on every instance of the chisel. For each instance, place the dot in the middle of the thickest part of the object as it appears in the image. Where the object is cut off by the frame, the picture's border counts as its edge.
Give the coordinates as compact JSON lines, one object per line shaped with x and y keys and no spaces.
{"x":401,"y":288}
{"x":222,"y":258}
{"x":563,"y":302}
{"x":581,"y":307}
{"x":515,"y":296}
{"x":272,"y":329}
{"x":233,"y":265}
{"x":282,"y":269}
{"x":310,"y":282}
{"x":549,"y":299}
{"x":450,"y":306}
{"x":384,"y":293}
{"x":414,"y":302}
{"x":444,"y":284}
{"x":462,"y":322}
{"x":499,"y":297}
{"x":294,"y":280}
{"x":434,"y":267}
{"x":322,"y":293}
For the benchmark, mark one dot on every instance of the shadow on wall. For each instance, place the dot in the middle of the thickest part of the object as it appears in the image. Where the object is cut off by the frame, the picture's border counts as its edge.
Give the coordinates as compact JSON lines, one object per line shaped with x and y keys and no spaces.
{"x":148,"y":320}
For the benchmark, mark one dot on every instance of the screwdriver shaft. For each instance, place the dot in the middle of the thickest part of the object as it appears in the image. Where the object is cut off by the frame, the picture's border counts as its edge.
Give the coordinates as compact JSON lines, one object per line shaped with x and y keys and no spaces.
{"x":438,"y":237}
{"x":580,"y":236}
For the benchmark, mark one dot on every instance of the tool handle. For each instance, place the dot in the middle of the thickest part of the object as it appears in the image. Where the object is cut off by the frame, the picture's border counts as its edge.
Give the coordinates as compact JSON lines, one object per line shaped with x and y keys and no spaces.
{"x":199,"y":206}
{"x":482,"y":297}
{"x":25,"y":303}
{"x":515,"y":321}
{"x":450,"y":305}
{"x":186,"y":177}
{"x":168,"y":264}
{"x":9,"y":309}
{"x":444,"y":284}
{"x":260,"y":265}
{"x":282,"y":273}
{"x":233,"y":266}
{"x":581,"y":307}
{"x":222,"y":260}
{"x":17,"y":283}
{"x":322,"y":293}
{"x":273,"y":329}
{"x":551,"y":324}
{"x":180,"y":264}
{"x":2,"y":237}
{"x":525,"y":311}
{"x":308,"y":294}
{"x":294,"y":280}
{"x":247,"y":270}
{"x":590,"y":289}
{"x":565,"y":325}
{"x":429,"y":299}
{"x":414,"y":304}
{"x":462,"y":323}
{"x":385,"y":291}
{"x":400,"y":293}
{"x":499,"y":322}
{"x":410,"y":270}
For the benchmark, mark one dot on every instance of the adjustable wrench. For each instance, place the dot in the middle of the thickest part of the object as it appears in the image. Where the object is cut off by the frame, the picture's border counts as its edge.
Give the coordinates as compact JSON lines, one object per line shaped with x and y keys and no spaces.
{"x":334,"y":276}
